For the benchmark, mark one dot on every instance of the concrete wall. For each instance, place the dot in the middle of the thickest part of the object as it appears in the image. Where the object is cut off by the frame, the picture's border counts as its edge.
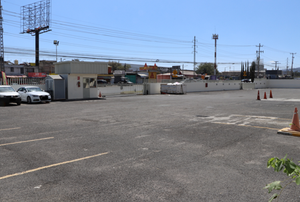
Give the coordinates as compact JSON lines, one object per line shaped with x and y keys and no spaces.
{"x":213,"y":85}
{"x":283,"y":83}
{"x":261,"y":83}
{"x":120,"y":90}
{"x":248,"y":86}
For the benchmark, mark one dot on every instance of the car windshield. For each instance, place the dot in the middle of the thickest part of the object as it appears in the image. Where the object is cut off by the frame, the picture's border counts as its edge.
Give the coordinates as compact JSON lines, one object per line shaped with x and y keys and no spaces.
{"x":35,"y":89}
{"x":6,"y":89}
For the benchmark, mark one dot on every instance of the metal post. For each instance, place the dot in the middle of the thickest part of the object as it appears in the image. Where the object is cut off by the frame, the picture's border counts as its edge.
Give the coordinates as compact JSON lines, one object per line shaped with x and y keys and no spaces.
{"x":37,"y":49}
{"x":215,"y":37}
{"x":292,"y":73}
{"x":56,"y":53}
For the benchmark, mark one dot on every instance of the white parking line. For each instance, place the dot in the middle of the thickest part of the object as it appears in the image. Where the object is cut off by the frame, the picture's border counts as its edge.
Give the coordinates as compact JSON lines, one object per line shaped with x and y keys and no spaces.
{"x":52,"y":165}
{"x":47,"y":138}
{"x":9,"y":129}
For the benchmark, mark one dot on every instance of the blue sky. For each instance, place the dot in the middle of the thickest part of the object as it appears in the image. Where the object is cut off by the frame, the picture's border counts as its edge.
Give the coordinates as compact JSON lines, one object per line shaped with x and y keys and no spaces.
{"x":139,"y":31}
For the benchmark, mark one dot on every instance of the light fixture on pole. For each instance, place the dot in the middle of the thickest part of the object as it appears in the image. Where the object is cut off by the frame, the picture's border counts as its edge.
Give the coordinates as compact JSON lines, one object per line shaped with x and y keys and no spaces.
{"x":55,"y":42}
{"x":215,"y":37}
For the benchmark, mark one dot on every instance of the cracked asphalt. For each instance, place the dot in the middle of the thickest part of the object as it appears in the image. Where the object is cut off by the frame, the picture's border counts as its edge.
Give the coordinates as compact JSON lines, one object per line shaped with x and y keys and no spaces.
{"x":208,"y":146}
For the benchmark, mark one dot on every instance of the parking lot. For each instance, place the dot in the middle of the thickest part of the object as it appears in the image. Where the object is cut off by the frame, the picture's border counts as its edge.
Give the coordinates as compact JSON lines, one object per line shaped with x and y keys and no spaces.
{"x":208,"y":146}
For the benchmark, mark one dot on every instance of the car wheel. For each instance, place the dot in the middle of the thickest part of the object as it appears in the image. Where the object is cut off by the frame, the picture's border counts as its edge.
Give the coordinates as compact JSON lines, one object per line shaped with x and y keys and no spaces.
{"x":28,"y":100}
{"x":19,"y":102}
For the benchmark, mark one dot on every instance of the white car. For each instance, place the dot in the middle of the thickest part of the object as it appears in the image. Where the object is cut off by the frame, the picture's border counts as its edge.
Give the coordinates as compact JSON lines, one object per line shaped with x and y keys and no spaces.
{"x":33,"y":94}
{"x":8,"y":94}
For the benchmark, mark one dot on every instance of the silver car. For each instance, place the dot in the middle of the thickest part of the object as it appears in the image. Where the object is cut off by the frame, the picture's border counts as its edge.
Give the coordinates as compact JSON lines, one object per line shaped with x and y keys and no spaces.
{"x":8,"y":94}
{"x":33,"y":94}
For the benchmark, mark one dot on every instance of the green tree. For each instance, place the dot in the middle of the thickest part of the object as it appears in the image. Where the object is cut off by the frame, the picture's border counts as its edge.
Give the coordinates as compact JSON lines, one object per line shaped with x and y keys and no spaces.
{"x":118,"y":66}
{"x":252,"y":71}
{"x":288,"y":167}
{"x":206,"y":68}
{"x":248,"y":69}
{"x":242,"y":70}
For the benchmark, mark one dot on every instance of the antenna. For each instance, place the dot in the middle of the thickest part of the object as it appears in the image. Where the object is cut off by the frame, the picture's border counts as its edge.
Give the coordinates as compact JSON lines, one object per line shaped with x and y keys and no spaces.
{"x":35,"y":20}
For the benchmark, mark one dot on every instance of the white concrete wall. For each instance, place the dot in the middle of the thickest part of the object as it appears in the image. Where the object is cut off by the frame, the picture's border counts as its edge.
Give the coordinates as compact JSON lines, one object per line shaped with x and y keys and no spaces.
{"x":120,"y":90}
{"x":283,"y":83}
{"x":213,"y":86}
{"x":154,"y":88}
{"x":247,"y":86}
{"x":261,"y":83}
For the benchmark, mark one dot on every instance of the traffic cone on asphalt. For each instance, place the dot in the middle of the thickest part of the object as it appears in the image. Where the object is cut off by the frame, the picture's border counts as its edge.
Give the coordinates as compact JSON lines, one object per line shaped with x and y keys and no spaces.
{"x":258,"y":97}
{"x":295,"y":122}
{"x":271,"y":96}
{"x":265,"y":96}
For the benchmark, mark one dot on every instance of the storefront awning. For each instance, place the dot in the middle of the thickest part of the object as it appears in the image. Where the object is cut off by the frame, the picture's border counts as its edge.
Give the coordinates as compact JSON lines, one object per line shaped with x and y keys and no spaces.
{"x":143,"y":75}
{"x":36,"y":75}
{"x":16,"y":76}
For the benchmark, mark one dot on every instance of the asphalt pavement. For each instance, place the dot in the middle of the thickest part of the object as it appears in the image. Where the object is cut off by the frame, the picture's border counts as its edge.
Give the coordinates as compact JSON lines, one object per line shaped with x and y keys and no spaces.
{"x":208,"y":146}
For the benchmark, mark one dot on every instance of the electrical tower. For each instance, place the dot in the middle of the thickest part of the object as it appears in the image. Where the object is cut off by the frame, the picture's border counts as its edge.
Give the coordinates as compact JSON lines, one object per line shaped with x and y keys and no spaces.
{"x":36,"y":20}
{"x":258,"y":58}
{"x":292,"y":74}
{"x":1,"y":42}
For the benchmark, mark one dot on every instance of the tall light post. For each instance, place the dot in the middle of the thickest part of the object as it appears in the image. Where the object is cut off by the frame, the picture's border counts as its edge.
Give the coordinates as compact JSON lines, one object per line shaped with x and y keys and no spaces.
{"x":215,"y":37}
{"x":55,"y":42}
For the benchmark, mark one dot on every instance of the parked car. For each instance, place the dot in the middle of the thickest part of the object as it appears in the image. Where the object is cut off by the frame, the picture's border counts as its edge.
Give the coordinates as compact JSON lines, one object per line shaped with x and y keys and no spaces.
{"x":8,"y":94}
{"x":101,"y":81}
{"x":33,"y":94}
{"x":126,"y":82}
{"x":246,"y":80}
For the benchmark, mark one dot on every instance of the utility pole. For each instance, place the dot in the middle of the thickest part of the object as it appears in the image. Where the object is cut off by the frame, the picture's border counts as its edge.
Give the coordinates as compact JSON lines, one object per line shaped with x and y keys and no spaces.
{"x":182,"y":71}
{"x":1,"y":42}
{"x":258,"y":59}
{"x":215,"y":37}
{"x":292,"y":73}
{"x":195,"y":56}
{"x":276,"y":62}
{"x":287,"y":66}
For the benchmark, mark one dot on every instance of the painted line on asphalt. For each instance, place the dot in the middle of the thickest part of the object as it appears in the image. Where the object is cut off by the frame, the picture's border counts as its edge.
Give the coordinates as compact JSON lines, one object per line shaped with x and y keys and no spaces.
{"x":266,"y":117}
{"x":47,"y":138}
{"x":50,"y":166}
{"x":246,"y":125}
{"x":10,"y":129}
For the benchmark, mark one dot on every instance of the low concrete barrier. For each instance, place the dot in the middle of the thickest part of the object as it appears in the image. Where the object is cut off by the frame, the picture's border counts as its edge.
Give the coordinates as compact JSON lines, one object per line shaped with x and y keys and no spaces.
{"x":248,"y":86}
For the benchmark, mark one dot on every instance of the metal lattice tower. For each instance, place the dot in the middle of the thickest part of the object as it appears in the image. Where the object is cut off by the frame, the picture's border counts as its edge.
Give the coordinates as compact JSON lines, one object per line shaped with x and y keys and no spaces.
{"x":1,"y":41}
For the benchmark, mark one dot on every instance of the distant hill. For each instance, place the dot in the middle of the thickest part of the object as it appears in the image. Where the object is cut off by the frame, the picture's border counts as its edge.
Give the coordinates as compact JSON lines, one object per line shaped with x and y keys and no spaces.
{"x":296,"y":69}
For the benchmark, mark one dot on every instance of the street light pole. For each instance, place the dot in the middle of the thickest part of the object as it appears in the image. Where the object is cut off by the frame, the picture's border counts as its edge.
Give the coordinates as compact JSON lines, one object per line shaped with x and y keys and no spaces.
{"x":55,"y":42}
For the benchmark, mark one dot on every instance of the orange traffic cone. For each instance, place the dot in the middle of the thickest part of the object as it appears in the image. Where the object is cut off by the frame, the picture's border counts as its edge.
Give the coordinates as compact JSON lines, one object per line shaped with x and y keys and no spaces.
{"x":271,"y":96}
{"x":295,"y":121}
{"x":258,"y":97}
{"x":265,"y":96}
{"x":100,"y":94}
